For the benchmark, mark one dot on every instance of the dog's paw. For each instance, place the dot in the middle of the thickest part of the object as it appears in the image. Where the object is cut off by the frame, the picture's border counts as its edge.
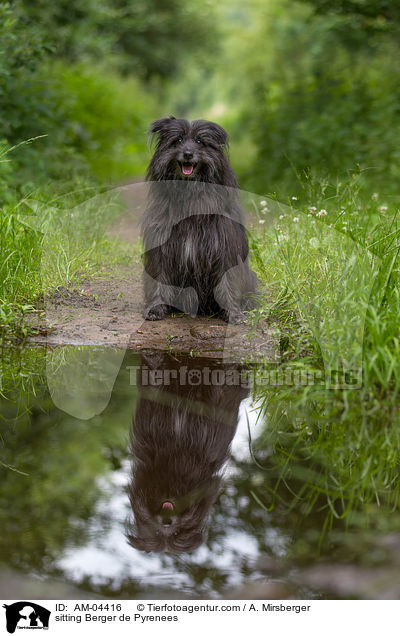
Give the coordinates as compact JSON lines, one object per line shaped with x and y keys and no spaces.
{"x":155,"y":313}
{"x":235,"y":317}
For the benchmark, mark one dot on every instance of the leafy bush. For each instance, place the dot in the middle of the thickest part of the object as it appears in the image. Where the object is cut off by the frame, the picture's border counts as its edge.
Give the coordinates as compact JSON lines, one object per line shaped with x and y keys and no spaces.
{"x":316,"y":91}
{"x":146,"y":38}
{"x":106,"y":119}
{"x":91,"y":119}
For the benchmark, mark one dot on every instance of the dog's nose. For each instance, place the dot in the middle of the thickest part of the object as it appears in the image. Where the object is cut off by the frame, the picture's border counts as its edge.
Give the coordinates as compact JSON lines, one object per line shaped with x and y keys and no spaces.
{"x":188,"y":155}
{"x":166,"y":521}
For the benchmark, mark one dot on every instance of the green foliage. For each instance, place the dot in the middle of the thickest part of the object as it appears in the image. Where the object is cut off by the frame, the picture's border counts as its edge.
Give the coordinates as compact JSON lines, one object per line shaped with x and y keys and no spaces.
{"x":90,"y":119}
{"x":314,"y":92}
{"x":98,"y":128}
{"x":106,"y":119}
{"x":146,"y":38}
{"x":324,"y":108}
{"x":383,"y":12}
{"x":24,"y":106}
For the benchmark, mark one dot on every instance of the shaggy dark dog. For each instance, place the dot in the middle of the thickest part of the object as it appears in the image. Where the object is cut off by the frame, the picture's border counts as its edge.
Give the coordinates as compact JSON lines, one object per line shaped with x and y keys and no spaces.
{"x":181,"y":435}
{"x":195,"y":243}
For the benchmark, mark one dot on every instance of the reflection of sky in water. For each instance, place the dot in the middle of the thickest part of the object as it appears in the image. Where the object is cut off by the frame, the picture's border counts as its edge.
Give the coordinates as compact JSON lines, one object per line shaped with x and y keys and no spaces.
{"x":247,"y":418}
{"x":107,"y":555}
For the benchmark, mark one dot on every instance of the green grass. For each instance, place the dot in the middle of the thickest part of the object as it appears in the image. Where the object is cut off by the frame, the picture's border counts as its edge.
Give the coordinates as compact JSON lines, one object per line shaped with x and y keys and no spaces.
{"x":46,"y":241}
{"x":332,"y":281}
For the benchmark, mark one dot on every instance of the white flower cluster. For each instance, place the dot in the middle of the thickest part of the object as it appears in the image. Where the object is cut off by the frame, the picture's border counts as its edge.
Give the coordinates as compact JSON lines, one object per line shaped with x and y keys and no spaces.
{"x":280,"y":239}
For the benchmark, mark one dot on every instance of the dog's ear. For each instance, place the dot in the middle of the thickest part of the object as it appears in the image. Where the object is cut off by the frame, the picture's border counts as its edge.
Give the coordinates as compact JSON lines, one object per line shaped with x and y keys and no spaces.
{"x":161,"y":125}
{"x":219,"y":134}
{"x":211,"y":131}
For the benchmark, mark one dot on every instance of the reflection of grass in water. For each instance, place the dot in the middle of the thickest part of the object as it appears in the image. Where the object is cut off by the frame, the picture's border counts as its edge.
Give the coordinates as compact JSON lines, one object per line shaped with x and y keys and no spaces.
{"x":332,"y":447}
{"x":334,"y":453}
{"x":22,"y":378}
{"x":56,"y":469}
{"x":22,"y":385}
{"x":326,"y":468}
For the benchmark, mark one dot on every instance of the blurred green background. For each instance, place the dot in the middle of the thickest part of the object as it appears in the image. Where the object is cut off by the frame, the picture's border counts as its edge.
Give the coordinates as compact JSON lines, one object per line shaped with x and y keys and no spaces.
{"x":308,"y":90}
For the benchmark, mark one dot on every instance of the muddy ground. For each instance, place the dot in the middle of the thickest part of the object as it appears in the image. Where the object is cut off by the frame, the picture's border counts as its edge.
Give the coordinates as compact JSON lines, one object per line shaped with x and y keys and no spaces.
{"x":107,"y":310}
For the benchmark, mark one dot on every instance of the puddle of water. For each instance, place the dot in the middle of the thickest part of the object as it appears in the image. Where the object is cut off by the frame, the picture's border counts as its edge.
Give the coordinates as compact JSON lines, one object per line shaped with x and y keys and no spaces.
{"x":171,"y":477}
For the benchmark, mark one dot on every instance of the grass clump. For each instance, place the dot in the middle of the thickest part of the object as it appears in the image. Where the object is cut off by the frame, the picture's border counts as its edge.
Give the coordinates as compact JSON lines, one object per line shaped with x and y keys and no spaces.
{"x":332,"y":276}
{"x":50,"y":241}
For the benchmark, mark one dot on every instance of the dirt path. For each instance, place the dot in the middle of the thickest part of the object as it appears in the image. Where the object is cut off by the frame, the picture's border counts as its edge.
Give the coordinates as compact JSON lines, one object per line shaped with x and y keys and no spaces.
{"x":107,"y":310}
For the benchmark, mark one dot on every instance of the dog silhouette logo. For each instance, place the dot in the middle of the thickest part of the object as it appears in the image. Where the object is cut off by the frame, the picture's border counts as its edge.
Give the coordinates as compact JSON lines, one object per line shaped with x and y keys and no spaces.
{"x":26,"y":615}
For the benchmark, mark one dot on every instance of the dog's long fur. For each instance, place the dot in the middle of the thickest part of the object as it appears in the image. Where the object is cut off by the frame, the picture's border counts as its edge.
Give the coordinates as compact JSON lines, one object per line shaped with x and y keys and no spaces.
{"x":180,"y":441}
{"x":195,"y":243}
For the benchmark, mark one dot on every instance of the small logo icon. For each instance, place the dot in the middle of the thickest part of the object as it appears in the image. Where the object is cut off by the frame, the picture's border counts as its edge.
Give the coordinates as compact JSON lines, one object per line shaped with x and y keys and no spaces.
{"x":26,"y":615}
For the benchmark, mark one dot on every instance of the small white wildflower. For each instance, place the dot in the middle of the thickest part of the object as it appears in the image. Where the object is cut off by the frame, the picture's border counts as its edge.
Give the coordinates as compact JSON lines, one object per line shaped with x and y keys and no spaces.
{"x":314,"y":242}
{"x":275,"y":243}
{"x":281,"y":216}
{"x":312,"y":209}
{"x":261,"y":220}
{"x":263,"y":203}
{"x":294,"y":198}
{"x":382,"y":208}
{"x":309,"y":214}
{"x":375,"y":196}
{"x":295,"y":219}
{"x":322,"y":213}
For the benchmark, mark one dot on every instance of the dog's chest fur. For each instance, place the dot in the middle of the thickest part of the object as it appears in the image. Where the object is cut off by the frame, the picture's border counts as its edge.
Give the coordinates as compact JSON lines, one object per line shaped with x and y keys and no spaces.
{"x":199,"y":246}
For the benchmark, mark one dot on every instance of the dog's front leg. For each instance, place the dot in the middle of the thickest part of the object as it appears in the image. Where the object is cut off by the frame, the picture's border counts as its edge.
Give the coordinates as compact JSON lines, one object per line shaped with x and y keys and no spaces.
{"x":156,"y":307}
{"x":160,"y":298}
{"x":229,"y":291}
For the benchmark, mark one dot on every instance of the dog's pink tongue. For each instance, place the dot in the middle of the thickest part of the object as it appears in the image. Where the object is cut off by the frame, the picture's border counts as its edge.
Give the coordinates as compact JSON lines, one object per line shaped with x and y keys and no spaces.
{"x":167,"y":505}
{"x":187,"y":169}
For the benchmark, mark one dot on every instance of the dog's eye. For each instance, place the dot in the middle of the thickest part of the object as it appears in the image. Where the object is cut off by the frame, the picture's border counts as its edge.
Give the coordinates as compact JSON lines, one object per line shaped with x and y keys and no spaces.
{"x":198,"y":141}
{"x":179,"y":140}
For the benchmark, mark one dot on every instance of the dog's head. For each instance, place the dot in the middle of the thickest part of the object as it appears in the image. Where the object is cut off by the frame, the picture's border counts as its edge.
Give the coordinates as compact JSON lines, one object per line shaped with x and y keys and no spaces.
{"x":189,"y":150}
{"x":174,"y":524}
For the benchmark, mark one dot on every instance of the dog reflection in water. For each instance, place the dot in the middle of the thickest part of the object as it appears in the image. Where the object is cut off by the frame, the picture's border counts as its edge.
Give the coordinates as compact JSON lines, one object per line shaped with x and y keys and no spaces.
{"x":180,"y":441}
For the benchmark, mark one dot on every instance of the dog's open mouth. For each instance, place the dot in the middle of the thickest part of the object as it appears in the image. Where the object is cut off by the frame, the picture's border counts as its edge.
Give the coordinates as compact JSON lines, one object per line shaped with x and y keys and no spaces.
{"x":187,"y":169}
